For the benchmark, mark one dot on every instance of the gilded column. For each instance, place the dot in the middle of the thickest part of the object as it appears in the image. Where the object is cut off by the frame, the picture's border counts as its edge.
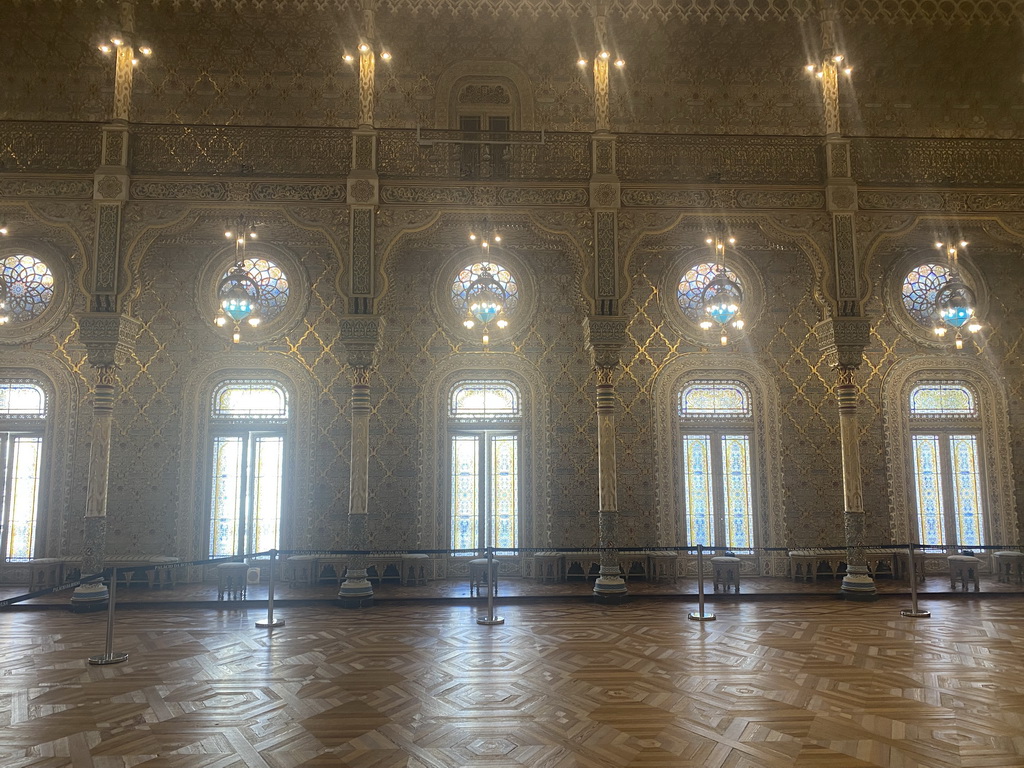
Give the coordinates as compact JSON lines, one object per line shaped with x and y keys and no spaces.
{"x":843,"y":340}
{"x":607,"y":335}
{"x":359,"y":335}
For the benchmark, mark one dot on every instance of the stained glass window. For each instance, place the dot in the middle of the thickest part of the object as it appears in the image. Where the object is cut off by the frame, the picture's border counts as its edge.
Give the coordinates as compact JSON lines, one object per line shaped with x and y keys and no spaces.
{"x":717,"y":490}
{"x":947,"y":468}
{"x":485,"y":478}
{"x":484,"y":400}
{"x":462,"y":290}
{"x":919,"y":289}
{"x":22,"y":414}
{"x":273,"y":284}
{"x":691,"y":288}
{"x":714,"y":398}
{"x":250,"y":399}
{"x":942,"y":398}
{"x":247,"y":478}
{"x":29,"y":286}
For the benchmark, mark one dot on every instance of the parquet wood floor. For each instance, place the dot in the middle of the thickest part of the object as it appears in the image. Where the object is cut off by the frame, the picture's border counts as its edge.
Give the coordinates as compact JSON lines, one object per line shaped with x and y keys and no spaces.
{"x":814,"y":683}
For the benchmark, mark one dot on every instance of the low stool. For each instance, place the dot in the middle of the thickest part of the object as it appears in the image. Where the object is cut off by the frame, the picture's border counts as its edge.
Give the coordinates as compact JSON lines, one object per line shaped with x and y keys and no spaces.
{"x":478,"y":575}
{"x":726,"y":572}
{"x":1009,"y":564}
{"x":231,"y":581}
{"x":963,"y":568}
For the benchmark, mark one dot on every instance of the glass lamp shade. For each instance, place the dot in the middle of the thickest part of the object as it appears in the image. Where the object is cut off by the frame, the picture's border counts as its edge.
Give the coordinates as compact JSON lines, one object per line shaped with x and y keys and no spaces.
{"x":955,"y":304}
{"x":239,"y":295}
{"x":486,"y":298}
{"x":722,"y":298}
{"x":4,"y":317}
{"x":484,"y":309}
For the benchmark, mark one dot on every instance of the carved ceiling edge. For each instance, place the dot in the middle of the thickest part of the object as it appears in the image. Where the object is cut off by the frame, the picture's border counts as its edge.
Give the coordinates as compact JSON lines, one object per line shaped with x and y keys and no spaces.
{"x":218,"y":191}
{"x":740,"y":198}
{"x":495,"y":195}
{"x":46,"y":187}
{"x":948,"y":202}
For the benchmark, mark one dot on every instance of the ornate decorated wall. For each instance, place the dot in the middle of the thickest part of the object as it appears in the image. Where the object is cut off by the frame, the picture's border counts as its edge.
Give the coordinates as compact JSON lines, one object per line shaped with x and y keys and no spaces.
{"x":247,"y":108}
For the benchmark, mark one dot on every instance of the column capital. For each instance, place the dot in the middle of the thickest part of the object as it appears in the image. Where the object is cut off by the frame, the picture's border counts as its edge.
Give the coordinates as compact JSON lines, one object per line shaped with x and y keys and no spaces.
{"x":843,"y":340}
{"x":606,"y":336}
{"x":360,"y":335}
{"x":108,"y":337}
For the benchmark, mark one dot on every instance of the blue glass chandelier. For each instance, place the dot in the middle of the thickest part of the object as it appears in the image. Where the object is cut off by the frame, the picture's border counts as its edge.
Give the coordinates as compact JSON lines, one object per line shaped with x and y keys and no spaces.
{"x":722,"y":297}
{"x":955,"y":302}
{"x":237,"y":293}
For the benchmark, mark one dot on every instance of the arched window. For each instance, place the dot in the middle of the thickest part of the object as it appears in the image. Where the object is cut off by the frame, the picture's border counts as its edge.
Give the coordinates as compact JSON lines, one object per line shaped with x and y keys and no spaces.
{"x":691,"y":287}
{"x":484,"y":420}
{"x":716,"y":424}
{"x":919,"y":288}
{"x":945,"y":431}
{"x":29,"y":286}
{"x":248,"y":425}
{"x":22,"y":422}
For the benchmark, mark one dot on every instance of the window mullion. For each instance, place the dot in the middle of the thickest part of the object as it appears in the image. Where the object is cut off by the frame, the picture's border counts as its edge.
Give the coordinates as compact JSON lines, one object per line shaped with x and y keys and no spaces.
{"x":718,"y":472}
{"x":949,"y":510}
{"x":245,"y":482}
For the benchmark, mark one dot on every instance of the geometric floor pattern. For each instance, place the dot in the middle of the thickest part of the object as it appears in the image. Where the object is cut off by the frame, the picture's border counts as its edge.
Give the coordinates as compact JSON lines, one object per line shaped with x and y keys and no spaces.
{"x":790,"y":684}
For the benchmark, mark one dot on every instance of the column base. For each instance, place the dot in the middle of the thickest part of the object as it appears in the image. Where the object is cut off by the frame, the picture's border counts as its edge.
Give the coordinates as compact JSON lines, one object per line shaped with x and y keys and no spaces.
{"x":858,"y":585}
{"x":90,"y":597}
{"x":610,"y":590}
{"x":356,"y":593}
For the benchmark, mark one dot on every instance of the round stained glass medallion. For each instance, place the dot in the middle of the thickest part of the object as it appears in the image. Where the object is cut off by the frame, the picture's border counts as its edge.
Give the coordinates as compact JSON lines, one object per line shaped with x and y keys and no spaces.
{"x":29,"y":286}
{"x":462,"y":287}
{"x":273,"y":285}
{"x":920,"y":287}
{"x":689,"y":292}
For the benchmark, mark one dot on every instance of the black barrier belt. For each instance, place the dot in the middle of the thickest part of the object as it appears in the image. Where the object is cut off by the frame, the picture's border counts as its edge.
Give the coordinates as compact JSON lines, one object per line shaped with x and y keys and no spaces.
{"x":51,"y":590}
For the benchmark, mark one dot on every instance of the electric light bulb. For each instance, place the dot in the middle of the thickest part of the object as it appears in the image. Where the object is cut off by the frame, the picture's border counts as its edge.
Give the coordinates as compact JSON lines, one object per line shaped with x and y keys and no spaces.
{"x":738,"y":324}
{"x":620,"y":63}
{"x":974,"y":327}
{"x":385,"y":55}
{"x":105,"y":48}
{"x":848,"y":70}
{"x":497,"y":238}
{"x":940,"y":331}
{"x":725,"y":340}
{"x":348,"y":57}
{"x":135,"y":62}
{"x":472,"y":237}
{"x":221,"y":321}
{"x":117,"y":41}
{"x":809,"y":68}
{"x":582,"y":62}
{"x":959,"y":343}
{"x":236,"y":337}
{"x":468,"y":323}
{"x":145,"y":50}
{"x":837,"y":58}
{"x":706,"y":325}
{"x":3,"y":230}
{"x":486,"y":338}
{"x":503,"y":324}
{"x":819,"y":75}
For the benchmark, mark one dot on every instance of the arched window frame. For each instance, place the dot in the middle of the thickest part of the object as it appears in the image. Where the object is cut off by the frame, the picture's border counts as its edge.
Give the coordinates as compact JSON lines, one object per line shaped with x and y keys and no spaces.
{"x":766,"y":486}
{"x":434,"y":526}
{"x":24,"y":456}
{"x":485,"y":461}
{"x":997,"y":484}
{"x":241,"y":447}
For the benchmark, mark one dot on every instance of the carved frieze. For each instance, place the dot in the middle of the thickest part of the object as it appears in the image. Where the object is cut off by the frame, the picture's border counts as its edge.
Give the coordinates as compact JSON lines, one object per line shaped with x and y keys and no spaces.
{"x":49,"y":147}
{"x":70,"y":188}
{"x":937,"y":162}
{"x":946,"y":202}
{"x":482,"y":195}
{"x":760,"y":199}
{"x":236,"y":191}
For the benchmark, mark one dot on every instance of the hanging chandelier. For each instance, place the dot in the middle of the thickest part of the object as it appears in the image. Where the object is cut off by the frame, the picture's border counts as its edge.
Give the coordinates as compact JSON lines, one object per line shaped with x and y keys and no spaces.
{"x":955,"y":302}
{"x":238,"y":294}
{"x":485,"y":298}
{"x":722,"y":297}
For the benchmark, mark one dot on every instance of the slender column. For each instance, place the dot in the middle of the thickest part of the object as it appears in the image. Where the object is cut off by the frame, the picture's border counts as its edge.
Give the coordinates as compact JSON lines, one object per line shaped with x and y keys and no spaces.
{"x":357,"y":591}
{"x":609,"y":585}
{"x":124,"y":66}
{"x":606,"y":336}
{"x":843,"y":340}
{"x":360,"y":334}
{"x":108,"y":340}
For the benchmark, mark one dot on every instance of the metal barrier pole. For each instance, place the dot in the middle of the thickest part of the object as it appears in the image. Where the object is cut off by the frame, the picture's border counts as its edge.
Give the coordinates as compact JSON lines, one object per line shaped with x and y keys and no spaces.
{"x":491,"y":618}
{"x":700,"y":615}
{"x":270,"y":622}
{"x":914,"y":612}
{"x":109,"y":657}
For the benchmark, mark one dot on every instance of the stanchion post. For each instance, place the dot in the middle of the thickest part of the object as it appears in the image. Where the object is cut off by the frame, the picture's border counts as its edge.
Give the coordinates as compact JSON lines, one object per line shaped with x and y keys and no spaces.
{"x":915,"y":612}
{"x":700,"y":615}
{"x":491,"y":618}
{"x":109,"y":657}
{"x":270,"y":622}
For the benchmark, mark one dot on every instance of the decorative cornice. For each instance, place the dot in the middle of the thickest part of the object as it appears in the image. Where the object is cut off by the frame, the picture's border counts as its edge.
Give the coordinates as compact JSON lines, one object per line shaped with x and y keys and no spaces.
{"x":943,"y":202}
